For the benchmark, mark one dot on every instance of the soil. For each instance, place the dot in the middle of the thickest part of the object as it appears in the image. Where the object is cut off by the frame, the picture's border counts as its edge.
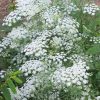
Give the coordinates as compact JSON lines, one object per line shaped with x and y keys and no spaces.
{"x":3,"y":12}
{"x":3,"y":8}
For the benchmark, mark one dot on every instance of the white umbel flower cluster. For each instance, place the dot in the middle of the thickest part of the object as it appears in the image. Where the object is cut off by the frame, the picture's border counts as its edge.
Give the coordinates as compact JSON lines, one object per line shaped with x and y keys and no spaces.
{"x":2,"y":72}
{"x":67,"y":24}
{"x":72,"y":8}
{"x":27,"y":90}
{"x":95,"y":39}
{"x":25,"y":9}
{"x":6,"y":41}
{"x":34,"y":47}
{"x":50,"y":16}
{"x":14,"y":36}
{"x":62,"y":77}
{"x":75,"y":75}
{"x":18,"y":33}
{"x":98,"y":98}
{"x":91,"y":9}
{"x":32,"y":67}
{"x":55,"y":37}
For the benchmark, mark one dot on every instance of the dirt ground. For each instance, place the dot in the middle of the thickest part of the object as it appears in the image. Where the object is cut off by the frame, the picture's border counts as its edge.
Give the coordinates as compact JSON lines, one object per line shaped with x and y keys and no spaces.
{"x":3,"y":12}
{"x":3,"y":8}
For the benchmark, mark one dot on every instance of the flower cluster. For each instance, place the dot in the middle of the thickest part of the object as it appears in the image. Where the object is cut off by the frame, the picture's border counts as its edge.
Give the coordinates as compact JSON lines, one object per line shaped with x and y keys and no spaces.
{"x":32,"y":67}
{"x":91,"y":9}
{"x":27,"y":90}
{"x":15,"y":36}
{"x":25,"y":9}
{"x":75,"y":75}
{"x":34,"y":47}
{"x":19,"y":59}
{"x":50,"y":16}
{"x":95,"y":39}
{"x":57,"y":59}
{"x":6,"y":41}
{"x":20,"y":32}
{"x":98,"y":98}
{"x":40,"y":44}
{"x":2,"y":72}
{"x":72,"y":8}
{"x":67,"y":24}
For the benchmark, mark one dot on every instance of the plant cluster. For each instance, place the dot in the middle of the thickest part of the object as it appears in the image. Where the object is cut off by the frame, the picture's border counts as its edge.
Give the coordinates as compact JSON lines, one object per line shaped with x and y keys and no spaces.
{"x":51,"y":52}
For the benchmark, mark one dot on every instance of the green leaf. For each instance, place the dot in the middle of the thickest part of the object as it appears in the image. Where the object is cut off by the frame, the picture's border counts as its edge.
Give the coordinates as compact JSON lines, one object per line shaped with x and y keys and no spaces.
{"x":1,"y":98}
{"x":86,"y":30}
{"x":97,"y":65}
{"x":17,"y":72}
{"x":97,"y":21}
{"x":11,"y":85}
{"x":14,"y":73}
{"x":16,"y":79}
{"x":95,"y":49}
{"x":98,"y":76}
{"x":6,"y":93}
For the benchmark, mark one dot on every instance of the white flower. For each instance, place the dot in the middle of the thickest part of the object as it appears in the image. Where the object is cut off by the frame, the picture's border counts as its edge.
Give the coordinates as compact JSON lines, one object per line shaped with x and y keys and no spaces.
{"x":26,"y":90}
{"x":14,"y":37}
{"x":71,"y":75}
{"x":50,"y":16}
{"x":91,"y":9}
{"x":33,"y":47}
{"x":71,"y":8}
{"x":18,"y":33}
{"x":98,"y":98}
{"x":95,"y":39}
{"x":2,"y":74}
{"x":67,"y":24}
{"x":32,"y":67}
{"x":26,"y":9}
